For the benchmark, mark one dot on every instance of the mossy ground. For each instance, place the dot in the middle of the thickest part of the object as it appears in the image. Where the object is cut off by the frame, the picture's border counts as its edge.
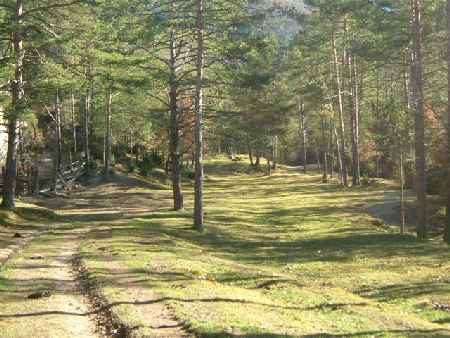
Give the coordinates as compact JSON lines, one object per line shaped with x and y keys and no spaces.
{"x":282,"y":256}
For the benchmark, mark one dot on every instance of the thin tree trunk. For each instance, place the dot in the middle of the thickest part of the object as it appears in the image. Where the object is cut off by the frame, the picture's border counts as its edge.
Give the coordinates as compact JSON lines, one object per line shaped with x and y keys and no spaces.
{"x":402,"y":195}
{"x":447,"y":225}
{"x":108,"y":135}
{"x":58,"y":143}
{"x":324,"y":151}
{"x":420,"y":122}
{"x":10,"y":179}
{"x":356,"y":171}
{"x":74,"y":127}
{"x":86,"y":120}
{"x":339,"y":155}
{"x":343,"y":150}
{"x":318,"y":151}
{"x":198,"y":202}
{"x":330,"y":149}
{"x":275,"y":153}
{"x":249,"y":149}
{"x":303,"y":135}
{"x":174,"y":129}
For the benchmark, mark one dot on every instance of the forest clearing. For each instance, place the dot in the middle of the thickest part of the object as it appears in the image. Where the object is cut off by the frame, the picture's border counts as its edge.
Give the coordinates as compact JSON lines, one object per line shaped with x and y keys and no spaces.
{"x":224,"y":168}
{"x":283,"y":256}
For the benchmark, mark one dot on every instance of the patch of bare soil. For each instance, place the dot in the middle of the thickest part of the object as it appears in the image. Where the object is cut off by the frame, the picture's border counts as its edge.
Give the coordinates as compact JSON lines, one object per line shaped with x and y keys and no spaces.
{"x":43,"y":299}
{"x":107,"y":322}
{"x":121,"y":197}
{"x":140,"y":301}
{"x":12,"y":240}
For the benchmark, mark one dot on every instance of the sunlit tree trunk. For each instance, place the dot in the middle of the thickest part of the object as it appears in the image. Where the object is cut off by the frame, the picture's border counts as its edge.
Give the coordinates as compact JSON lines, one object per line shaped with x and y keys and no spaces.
{"x":447,"y":225}
{"x":175,"y":152}
{"x":303,"y":135}
{"x":275,"y":153}
{"x":108,"y":134}
{"x":198,"y":203}
{"x":324,"y":150}
{"x":58,"y":141}
{"x":250,"y":151}
{"x":402,"y":195}
{"x":86,"y":121}
{"x":356,"y":171}
{"x":342,"y":145}
{"x":420,"y":121}
{"x":10,"y":180}
{"x":338,"y":152}
{"x":74,"y":126}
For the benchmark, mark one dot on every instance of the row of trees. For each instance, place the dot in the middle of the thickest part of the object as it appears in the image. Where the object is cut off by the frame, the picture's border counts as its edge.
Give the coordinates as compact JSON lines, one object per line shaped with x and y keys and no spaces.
{"x":381,"y":68}
{"x":353,"y":86}
{"x":53,"y":51}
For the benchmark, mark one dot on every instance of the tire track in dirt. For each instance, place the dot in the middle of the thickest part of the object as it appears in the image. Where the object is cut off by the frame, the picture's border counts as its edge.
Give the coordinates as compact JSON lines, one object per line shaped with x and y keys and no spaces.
{"x":114,"y":201}
{"x":41,"y":294}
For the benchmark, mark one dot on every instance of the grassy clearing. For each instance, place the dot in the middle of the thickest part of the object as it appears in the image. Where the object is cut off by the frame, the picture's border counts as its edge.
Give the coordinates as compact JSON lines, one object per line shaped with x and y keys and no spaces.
{"x":19,"y":226}
{"x":26,"y":214}
{"x":283,"y":256}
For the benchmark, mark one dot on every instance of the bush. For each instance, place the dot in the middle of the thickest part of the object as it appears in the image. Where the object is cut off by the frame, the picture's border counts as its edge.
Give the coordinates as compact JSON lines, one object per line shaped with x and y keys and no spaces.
{"x":188,"y":173}
{"x":149,"y":162}
{"x":437,"y":181}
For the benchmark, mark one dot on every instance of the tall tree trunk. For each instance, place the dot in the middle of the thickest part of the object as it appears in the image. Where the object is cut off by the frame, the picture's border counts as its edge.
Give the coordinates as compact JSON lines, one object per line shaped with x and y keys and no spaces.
{"x":108,"y":135}
{"x":402,"y":194}
{"x":339,"y":155}
{"x":175,"y":154}
{"x":86,"y":121}
{"x":58,"y":141}
{"x":343,"y":150}
{"x":420,"y":122}
{"x":198,"y":203}
{"x":249,"y":149}
{"x":275,"y":153}
{"x":324,"y":151}
{"x":447,"y":225}
{"x":330,"y":148}
{"x":10,"y":180}
{"x":74,"y":127}
{"x":356,"y":171}
{"x":303,"y":135}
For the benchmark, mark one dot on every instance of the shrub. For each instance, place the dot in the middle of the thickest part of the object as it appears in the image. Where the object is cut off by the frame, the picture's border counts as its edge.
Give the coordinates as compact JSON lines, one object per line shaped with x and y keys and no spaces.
{"x":188,"y":173}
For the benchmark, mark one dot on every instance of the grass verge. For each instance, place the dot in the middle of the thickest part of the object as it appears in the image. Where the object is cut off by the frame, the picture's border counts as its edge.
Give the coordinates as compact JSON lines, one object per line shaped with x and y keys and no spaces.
{"x":283,"y":256}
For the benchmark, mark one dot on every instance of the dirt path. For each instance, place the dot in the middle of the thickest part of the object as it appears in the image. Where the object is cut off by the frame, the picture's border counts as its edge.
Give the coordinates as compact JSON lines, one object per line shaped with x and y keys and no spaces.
{"x":41,"y":294}
{"x":11,"y":241}
{"x":120,"y":198}
{"x":48,"y":290}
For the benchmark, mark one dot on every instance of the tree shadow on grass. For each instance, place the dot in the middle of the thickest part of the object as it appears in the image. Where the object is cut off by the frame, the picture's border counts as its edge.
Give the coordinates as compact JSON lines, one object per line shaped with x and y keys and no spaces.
{"x":404,"y":291}
{"x":380,"y":333}
{"x":340,"y":246}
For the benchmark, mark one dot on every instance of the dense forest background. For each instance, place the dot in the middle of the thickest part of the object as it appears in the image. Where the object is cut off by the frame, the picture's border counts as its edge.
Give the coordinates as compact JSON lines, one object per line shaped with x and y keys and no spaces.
{"x":357,"y":88}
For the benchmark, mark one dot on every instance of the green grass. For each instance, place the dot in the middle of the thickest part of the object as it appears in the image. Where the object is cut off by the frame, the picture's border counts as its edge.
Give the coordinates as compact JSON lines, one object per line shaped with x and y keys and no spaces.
{"x":283,"y":256}
{"x":26,"y":215}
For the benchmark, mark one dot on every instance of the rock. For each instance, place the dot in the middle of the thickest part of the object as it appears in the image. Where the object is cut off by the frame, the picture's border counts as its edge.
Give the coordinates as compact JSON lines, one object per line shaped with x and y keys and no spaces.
{"x":17,"y":235}
{"x":39,"y":294}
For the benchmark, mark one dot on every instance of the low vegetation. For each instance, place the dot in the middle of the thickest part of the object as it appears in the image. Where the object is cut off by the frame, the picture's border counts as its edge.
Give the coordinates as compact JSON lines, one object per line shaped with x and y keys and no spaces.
{"x":284,"y":255}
